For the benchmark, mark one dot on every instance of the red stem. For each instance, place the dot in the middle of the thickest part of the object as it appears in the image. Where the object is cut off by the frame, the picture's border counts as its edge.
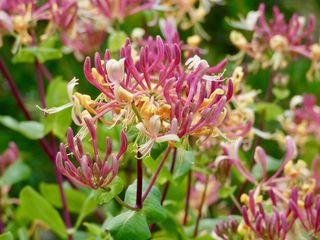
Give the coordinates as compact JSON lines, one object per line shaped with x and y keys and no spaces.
{"x":46,"y":72}
{"x":196,"y":229}
{"x":59,"y":178}
{"x":186,"y":209}
{"x":14,"y":90}
{"x":154,"y":177}
{"x":139,"y":181}
{"x":166,"y":186}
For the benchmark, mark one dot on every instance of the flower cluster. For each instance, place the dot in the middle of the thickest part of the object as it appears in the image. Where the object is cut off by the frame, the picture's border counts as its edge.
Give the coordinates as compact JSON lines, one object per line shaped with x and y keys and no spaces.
{"x":284,"y":220}
{"x":232,"y":153}
{"x":257,"y":222}
{"x":226,"y":230}
{"x":302,"y":121}
{"x":277,"y":38}
{"x":163,"y":98}
{"x":17,"y":18}
{"x":92,"y":171}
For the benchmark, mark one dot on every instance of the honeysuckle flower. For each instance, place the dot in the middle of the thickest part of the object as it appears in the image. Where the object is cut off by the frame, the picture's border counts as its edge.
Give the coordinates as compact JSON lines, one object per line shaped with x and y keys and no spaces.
{"x":77,"y":102}
{"x":226,"y":229}
{"x":308,"y":213}
{"x":276,"y":38}
{"x":190,"y":48}
{"x":92,"y":171}
{"x":247,"y":23}
{"x":297,"y":175}
{"x":159,"y":85}
{"x":151,"y":129}
{"x":314,"y":56}
{"x":291,"y":220}
{"x":8,"y":157}
{"x":81,"y":26}
{"x":302,"y":121}
{"x":232,"y":153}
{"x":19,"y":18}
{"x":260,"y":223}
{"x":118,"y":10}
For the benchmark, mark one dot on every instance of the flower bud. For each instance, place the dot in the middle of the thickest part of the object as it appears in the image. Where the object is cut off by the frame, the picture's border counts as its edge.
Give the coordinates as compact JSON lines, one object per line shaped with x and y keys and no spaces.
{"x":115,"y":70}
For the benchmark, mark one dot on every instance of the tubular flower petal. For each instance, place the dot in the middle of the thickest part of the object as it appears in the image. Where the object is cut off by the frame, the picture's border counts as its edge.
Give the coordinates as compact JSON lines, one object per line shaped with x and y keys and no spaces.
{"x":93,"y":172}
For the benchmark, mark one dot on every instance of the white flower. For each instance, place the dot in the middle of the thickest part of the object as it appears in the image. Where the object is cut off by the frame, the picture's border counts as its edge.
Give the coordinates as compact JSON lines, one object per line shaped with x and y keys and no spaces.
{"x":151,"y":128}
{"x":194,"y":62}
{"x":77,"y":100}
{"x":247,"y":23}
{"x":70,"y":88}
{"x":115,"y":70}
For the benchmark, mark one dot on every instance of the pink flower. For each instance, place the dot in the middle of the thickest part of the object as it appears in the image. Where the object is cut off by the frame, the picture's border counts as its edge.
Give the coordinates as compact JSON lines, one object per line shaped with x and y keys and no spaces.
{"x":118,"y":10}
{"x":261,"y":159}
{"x":92,"y":171}
{"x":154,"y":88}
{"x":277,"y":38}
{"x":266,"y":224}
{"x":82,"y":28}
{"x":302,"y":121}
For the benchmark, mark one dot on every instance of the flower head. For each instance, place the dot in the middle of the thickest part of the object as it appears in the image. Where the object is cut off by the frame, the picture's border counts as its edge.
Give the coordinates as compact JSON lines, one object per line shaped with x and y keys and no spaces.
{"x":302,"y":121}
{"x":92,"y":171}
{"x":276,"y":38}
{"x":165,"y":99}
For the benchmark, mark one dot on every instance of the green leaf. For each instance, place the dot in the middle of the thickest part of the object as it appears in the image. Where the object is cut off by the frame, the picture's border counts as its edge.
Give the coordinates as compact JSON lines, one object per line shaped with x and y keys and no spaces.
{"x":42,"y":53}
{"x":185,"y":160}
{"x":129,"y":225}
{"x":152,"y":165}
{"x":15,"y":173}
{"x":75,"y":199}
{"x":30,"y":129}
{"x":36,"y":207}
{"x":88,"y":206}
{"x":271,"y":110}
{"x":59,"y":122}
{"x":172,"y":226}
{"x":6,"y":236}
{"x":157,"y":149}
{"x":115,"y":187}
{"x":226,"y":191}
{"x":280,"y":94}
{"x":151,"y":205}
{"x":116,"y":40}
{"x":25,"y":55}
{"x":94,"y":229}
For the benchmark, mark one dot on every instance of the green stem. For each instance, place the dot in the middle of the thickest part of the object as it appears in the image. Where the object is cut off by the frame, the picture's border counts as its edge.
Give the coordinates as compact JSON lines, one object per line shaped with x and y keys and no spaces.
{"x":136,"y":112}
{"x":124,"y":204}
